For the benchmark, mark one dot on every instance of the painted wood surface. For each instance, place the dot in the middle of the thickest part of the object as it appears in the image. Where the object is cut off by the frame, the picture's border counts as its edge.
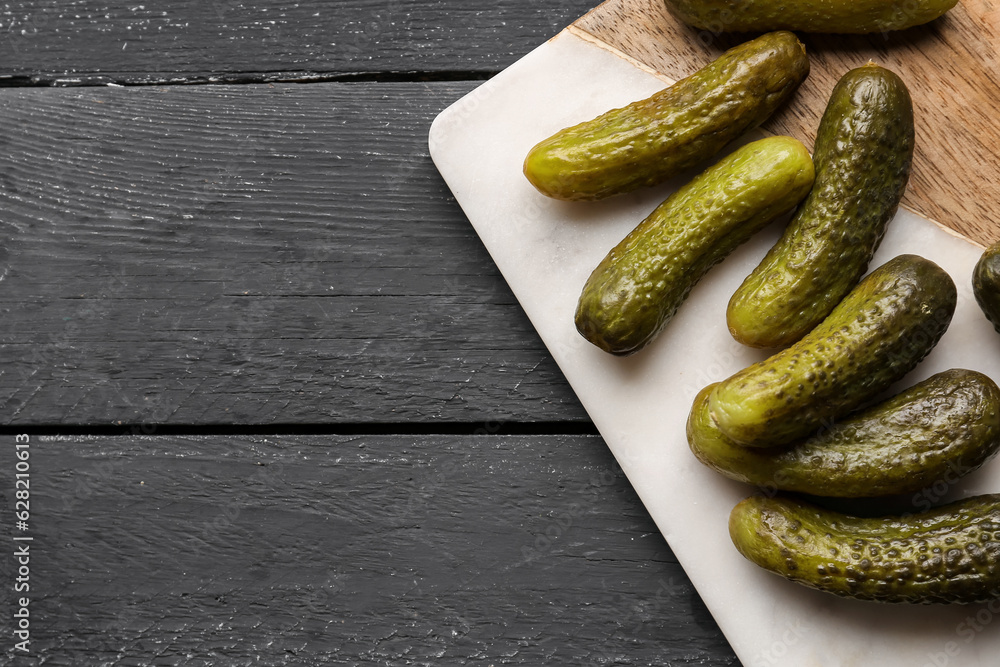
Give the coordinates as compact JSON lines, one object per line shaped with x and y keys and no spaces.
{"x":254,"y":254}
{"x":309,"y":366}
{"x":388,"y":550}
{"x":949,"y":65}
{"x":91,"y":43}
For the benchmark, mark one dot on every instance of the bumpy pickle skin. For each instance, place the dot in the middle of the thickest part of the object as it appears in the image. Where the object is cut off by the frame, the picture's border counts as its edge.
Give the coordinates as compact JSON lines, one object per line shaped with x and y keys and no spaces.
{"x":877,"y":334}
{"x":863,"y":153}
{"x":830,"y":16}
{"x":986,"y":284}
{"x":949,"y":555}
{"x":653,"y":140}
{"x":940,"y":429}
{"x":635,"y":291}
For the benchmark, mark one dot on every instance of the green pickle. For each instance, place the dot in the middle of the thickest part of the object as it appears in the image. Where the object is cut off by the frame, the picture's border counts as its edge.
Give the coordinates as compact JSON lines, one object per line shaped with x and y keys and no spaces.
{"x":635,"y":291}
{"x":940,"y":429}
{"x":946,"y":555}
{"x":653,"y":140}
{"x":863,"y":153}
{"x":833,"y":16}
{"x":877,"y":334}
{"x":986,"y":284}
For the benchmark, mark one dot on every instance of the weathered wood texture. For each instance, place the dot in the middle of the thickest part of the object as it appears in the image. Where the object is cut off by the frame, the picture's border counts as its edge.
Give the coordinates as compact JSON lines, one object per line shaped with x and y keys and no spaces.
{"x":349,"y":551}
{"x":950,"y":66}
{"x":270,"y":254}
{"x":72,"y":42}
{"x":254,"y":256}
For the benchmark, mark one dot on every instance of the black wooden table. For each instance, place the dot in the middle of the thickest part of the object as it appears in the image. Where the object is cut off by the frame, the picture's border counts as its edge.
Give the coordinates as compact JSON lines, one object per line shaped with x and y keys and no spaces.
{"x":269,"y":399}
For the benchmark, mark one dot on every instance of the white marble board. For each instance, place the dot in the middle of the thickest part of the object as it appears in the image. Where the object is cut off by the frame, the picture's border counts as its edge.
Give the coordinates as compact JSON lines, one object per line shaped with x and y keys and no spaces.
{"x":546,"y":250}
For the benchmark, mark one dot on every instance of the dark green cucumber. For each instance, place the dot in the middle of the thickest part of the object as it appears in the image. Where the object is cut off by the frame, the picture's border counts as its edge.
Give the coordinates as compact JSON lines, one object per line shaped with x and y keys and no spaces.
{"x":940,"y":429}
{"x":652,"y":140}
{"x":877,"y":334}
{"x":838,"y":16}
{"x":634,"y":292}
{"x":863,"y":153}
{"x":947,"y":555}
{"x":986,"y":284}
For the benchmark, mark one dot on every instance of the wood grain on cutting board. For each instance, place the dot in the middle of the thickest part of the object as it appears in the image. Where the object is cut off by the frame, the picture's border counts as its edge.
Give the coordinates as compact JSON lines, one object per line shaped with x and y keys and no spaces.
{"x":950,"y":66}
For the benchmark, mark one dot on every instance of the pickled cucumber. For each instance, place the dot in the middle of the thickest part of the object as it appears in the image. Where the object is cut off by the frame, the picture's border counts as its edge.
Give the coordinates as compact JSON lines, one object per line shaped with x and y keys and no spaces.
{"x":947,"y":555}
{"x":877,"y":334}
{"x":837,"y":16}
{"x":652,"y":140}
{"x":863,"y":153}
{"x":638,"y":287}
{"x":986,"y":284}
{"x":940,"y":429}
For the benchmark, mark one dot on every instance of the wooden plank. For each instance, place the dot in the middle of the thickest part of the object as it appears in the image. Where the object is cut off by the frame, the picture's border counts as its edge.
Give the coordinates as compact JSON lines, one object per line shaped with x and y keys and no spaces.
{"x":949,"y":65}
{"x":229,"y":40}
{"x":336,"y":550}
{"x":273,"y":254}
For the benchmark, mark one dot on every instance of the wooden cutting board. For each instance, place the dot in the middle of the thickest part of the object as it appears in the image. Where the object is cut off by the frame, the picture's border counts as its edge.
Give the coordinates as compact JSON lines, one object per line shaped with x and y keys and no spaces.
{"x":950,"y":66}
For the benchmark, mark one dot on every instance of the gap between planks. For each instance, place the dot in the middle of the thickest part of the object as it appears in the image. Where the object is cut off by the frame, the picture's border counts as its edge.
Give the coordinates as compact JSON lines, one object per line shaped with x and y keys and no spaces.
{"x":483,"y":428}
